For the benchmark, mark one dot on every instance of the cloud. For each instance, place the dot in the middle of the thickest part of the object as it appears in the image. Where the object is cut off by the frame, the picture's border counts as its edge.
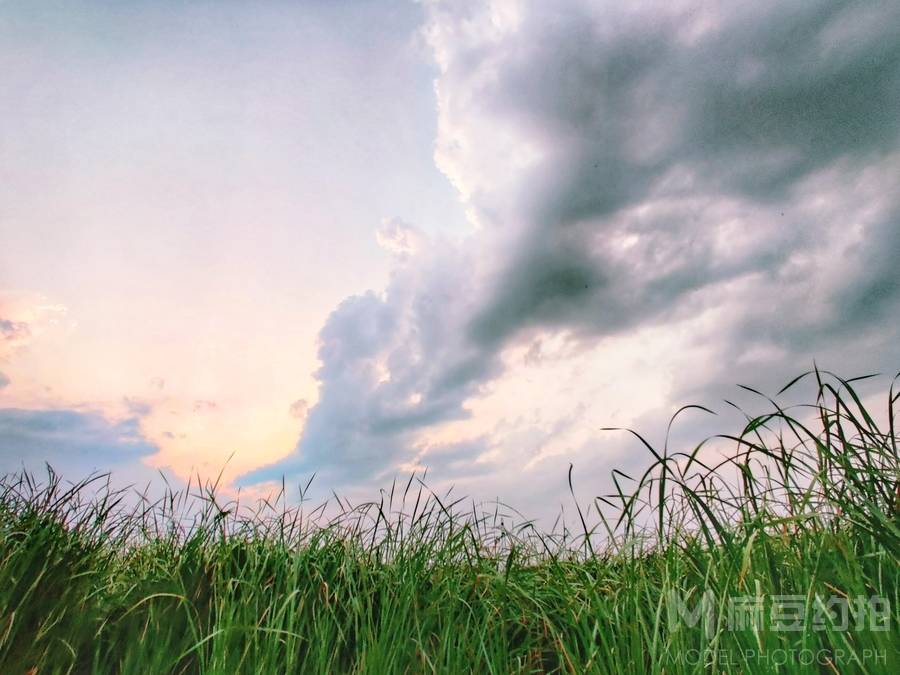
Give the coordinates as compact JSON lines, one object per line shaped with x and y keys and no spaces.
{"x":392,"y":364}
{"x":299,"y":409}
{"x":656,"y":134}
{"x":4,"y":381}
{"x":399,"y":237}
{"x":726,"y":172}
{"x":73,"y":442}
{"x":13,"y":331}
{"x":203,"y":406}
{"x":23,"y":318}
{"x":455,"y":460}
{"x":137,"y":407}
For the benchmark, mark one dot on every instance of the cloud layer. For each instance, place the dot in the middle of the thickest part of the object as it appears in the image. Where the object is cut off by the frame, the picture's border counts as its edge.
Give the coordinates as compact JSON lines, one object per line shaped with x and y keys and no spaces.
{"x":72,"y":442}
{"x":728,"y":171}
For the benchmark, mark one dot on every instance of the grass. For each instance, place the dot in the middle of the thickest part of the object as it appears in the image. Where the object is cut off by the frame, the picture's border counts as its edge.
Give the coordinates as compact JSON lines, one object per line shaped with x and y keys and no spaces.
{"x":799,"y":522}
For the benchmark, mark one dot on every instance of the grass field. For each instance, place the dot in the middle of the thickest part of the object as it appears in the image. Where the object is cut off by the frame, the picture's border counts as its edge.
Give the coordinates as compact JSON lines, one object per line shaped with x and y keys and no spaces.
{"x":781,"y":556}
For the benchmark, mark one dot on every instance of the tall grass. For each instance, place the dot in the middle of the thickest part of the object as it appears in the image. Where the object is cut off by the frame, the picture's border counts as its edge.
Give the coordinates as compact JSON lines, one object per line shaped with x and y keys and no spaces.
{"x":805,"y":505}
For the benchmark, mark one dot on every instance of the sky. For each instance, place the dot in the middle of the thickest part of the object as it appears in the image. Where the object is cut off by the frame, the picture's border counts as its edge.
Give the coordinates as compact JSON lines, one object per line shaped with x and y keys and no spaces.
{"x":359,"y":239}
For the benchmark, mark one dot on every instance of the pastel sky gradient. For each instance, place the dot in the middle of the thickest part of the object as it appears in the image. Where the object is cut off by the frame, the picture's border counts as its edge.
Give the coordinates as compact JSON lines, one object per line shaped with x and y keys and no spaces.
{"x":364,"y":238}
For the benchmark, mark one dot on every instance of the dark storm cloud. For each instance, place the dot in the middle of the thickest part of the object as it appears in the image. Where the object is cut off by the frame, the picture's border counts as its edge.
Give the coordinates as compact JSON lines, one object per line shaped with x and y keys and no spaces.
{"x":70,"y":440}
{"x":873,"y":295}
{"x":748,"y":109}
{"x":633,"y":164}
